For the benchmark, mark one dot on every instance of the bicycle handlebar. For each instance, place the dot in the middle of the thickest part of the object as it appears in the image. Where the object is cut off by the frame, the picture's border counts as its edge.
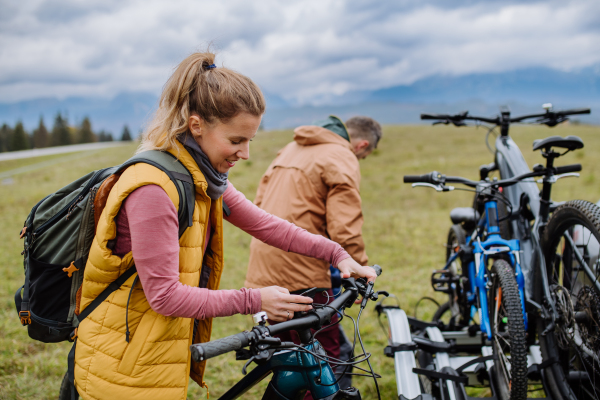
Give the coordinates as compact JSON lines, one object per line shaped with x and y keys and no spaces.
{"x":418,"y":178}
{"x":549,"y":117}
{"x":568,"y":168}
{"x":436,"y":178}
{"x":204,"y":351}
{"x":316,"y":319}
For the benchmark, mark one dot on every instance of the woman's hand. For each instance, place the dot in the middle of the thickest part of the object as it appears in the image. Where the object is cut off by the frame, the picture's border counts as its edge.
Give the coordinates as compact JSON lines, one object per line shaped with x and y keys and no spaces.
{"x":280,"y":305}
{"x":350,"y":268}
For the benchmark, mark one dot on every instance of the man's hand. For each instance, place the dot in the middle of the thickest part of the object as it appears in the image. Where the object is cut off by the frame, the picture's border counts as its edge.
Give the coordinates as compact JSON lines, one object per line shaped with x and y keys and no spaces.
{"x":350,"y":268}
{"x":280,"y":305}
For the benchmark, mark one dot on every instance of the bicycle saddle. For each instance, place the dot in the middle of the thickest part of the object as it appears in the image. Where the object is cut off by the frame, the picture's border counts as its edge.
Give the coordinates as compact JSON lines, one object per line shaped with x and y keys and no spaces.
{"x":464,"y":214}
{"x":569,"y":142}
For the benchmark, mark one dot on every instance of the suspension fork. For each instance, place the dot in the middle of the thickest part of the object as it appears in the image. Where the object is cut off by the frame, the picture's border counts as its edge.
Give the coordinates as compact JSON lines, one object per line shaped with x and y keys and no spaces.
{"x":481,"y":283}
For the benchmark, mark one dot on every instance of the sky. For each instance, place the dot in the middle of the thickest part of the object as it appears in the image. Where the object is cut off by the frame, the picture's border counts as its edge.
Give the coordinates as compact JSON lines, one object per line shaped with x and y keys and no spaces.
{"x":306,"y":52}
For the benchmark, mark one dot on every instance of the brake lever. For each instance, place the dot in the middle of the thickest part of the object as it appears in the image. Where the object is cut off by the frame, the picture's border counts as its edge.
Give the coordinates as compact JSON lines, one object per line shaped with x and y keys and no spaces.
{"x":367,"y":295}
{"x":438,"y":188}
{"x":554,"y":178}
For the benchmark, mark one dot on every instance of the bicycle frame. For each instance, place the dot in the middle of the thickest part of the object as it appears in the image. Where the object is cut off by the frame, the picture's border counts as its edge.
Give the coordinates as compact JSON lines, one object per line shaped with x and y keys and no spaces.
{"x":510,"y":163}
{"x":494,"y":245}
{"x":294,"y":372}
{"x":482,"y":251}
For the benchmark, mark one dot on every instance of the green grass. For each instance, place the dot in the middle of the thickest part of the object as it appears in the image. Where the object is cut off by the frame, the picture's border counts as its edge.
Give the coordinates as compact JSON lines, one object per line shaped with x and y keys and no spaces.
{"x":405,"y":231}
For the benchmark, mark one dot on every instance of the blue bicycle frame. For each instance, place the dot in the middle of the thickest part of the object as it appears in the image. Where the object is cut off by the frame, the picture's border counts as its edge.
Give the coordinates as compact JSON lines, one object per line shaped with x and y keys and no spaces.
{"x":477,"y":270}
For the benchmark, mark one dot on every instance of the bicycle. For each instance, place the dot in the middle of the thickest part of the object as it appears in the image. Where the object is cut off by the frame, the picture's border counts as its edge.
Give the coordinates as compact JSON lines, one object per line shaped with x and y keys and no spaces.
{"x":558,"y":252}
{"x":296,"y":368}
{"x":495,"y":292}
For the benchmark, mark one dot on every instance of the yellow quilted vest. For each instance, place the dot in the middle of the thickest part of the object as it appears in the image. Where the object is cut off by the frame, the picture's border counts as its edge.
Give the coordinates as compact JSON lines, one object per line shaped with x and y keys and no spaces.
{"x":156,"y":362}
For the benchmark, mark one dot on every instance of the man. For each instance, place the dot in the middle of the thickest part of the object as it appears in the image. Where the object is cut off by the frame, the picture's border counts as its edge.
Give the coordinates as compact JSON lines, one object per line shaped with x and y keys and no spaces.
{"x":314,"y":183}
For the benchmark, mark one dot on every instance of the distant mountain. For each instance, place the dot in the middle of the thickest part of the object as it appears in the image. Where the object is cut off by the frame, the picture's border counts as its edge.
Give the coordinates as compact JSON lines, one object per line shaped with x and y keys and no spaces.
{"x":530,"y":86}
{"x":523,"y":90}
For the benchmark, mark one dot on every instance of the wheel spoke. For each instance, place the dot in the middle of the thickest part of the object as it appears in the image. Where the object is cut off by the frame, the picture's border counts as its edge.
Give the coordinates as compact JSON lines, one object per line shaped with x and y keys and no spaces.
{"x":582,"y":262}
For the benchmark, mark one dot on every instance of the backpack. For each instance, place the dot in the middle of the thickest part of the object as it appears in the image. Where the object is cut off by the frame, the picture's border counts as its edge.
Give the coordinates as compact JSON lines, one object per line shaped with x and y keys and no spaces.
{"x":58,"y":235}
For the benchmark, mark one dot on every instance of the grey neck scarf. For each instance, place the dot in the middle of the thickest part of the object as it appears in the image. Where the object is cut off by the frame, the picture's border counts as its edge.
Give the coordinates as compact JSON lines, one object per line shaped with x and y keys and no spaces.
{"x":217,"y":181}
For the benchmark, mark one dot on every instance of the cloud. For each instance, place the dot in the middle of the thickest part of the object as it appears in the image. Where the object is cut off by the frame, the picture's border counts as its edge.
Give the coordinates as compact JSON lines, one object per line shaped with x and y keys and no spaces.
{"x":307,"y":52}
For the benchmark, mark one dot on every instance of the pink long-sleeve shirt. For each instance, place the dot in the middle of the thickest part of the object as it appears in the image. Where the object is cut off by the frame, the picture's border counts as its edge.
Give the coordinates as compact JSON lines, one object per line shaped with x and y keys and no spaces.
{"x":147,"y":225}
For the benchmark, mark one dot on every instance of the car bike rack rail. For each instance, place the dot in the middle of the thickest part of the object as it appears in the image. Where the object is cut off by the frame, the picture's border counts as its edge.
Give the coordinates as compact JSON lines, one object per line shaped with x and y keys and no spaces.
{"x":452,"y":360}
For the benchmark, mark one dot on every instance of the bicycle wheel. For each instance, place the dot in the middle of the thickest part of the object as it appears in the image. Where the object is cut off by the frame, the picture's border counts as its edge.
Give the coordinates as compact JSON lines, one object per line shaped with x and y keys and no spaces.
{"x":455,"y":312}
{"x":508,"y":333}
{"x":571,"y":243}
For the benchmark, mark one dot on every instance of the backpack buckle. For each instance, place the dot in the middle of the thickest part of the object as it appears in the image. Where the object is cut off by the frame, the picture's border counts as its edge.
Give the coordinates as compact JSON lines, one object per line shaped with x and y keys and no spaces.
{"x":25,"y":317}
{"x":73,"y":335}
{"x":70,"y":269}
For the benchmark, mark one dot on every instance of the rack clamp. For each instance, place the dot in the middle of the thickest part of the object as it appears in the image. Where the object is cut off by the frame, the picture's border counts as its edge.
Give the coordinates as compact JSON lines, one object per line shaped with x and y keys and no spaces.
{"x":394,"y":348}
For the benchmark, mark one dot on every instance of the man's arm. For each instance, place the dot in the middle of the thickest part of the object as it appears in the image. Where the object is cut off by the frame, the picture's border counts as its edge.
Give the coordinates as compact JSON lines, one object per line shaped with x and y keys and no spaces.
{"x":343,"y":209}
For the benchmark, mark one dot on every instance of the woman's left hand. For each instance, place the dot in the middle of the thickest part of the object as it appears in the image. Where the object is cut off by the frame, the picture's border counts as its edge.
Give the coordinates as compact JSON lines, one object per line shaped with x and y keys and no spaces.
{"x":350,"y":268}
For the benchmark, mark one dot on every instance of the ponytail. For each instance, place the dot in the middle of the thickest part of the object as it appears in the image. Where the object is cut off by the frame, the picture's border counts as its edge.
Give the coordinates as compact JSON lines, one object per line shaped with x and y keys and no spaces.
{"x":199,"y":87}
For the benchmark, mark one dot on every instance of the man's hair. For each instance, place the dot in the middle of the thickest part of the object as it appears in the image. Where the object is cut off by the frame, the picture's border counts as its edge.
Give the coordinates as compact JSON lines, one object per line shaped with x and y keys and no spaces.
{"x":365,"y":128}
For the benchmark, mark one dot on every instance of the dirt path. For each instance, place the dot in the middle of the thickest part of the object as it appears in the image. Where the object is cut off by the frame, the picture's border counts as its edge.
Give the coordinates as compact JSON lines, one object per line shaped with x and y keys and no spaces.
{"x":15,"y":155}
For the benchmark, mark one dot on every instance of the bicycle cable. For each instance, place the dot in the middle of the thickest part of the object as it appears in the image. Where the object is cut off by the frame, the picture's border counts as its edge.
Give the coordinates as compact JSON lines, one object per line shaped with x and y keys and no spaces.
{"x":487,"y":138}
{"x":354,"y":361}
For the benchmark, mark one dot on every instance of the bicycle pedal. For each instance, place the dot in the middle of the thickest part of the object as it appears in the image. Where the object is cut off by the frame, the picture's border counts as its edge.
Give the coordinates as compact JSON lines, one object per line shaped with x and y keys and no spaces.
{"x":442,"y":281}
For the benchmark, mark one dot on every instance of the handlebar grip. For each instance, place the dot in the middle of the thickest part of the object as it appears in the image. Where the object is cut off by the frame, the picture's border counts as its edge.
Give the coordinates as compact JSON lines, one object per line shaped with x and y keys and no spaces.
{"x":377,"y":269}
{"x":434,"y":116}
{"x":568,"y":168}
{"x":418,"y":178}
{"x":576,"y":111}
{"x":204,"y":351}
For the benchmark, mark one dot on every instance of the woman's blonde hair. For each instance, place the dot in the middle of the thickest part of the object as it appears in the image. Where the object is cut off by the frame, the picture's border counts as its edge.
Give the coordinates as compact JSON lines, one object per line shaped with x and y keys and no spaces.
{"x":198,"y":87}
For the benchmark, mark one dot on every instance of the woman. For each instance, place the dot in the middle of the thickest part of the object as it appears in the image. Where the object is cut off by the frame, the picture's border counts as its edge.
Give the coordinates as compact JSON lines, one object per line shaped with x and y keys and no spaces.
{"x":136,"y":345}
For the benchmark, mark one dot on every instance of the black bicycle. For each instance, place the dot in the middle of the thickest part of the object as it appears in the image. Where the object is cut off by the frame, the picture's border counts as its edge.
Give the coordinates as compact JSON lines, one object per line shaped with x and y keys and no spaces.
{"x":560,"y":244}
{"x":297,"y":368}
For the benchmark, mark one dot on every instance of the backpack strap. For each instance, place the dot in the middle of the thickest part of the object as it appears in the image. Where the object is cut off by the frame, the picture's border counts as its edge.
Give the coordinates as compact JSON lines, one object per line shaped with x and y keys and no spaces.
{"x":183,"y":181}
{"x":179,"y":175}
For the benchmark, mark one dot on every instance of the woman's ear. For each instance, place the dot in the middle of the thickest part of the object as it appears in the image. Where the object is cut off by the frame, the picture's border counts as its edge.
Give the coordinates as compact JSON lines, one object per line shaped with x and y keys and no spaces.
{"x":196,"y":125}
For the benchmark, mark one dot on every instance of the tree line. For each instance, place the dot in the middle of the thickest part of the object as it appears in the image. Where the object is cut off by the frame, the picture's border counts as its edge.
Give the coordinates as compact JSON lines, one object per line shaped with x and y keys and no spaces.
{"x":62,"y":134}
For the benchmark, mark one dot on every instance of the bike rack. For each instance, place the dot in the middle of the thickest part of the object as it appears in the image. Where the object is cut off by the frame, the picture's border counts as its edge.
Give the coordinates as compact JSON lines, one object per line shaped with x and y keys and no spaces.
{"x":470,"y":366}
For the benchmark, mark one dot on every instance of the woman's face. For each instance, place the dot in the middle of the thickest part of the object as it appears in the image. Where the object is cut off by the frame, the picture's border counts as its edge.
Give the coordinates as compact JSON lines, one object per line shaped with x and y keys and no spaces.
{"x":225,"y":143}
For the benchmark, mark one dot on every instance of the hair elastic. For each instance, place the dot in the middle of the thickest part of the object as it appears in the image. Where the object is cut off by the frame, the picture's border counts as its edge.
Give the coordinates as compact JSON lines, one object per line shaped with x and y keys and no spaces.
{"x":211,"y":66}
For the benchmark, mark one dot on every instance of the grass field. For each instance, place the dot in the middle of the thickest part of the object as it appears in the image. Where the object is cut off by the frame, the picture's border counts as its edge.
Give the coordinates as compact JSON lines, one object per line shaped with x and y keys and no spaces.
{"x":405,"y":230}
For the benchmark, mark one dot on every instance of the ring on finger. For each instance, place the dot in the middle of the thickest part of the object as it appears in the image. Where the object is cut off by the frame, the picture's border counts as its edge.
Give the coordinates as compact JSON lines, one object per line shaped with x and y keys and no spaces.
{"x":288,"y":317}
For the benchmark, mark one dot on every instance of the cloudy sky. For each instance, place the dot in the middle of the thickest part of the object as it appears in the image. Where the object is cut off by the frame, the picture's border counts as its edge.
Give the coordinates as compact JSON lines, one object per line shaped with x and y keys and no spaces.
{"x":304,"y":51}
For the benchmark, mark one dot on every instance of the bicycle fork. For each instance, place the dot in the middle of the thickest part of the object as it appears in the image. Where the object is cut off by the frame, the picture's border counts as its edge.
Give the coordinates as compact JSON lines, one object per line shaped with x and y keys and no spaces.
{"x":482,"y":251}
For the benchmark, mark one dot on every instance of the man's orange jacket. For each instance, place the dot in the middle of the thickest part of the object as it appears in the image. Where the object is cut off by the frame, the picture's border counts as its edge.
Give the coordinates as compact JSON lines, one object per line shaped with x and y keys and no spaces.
{"x":314,"y":183}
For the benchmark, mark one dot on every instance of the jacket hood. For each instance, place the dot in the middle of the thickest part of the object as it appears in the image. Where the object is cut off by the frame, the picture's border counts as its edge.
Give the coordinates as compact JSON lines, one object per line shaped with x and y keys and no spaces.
{"x":308,"y":135}
{"x":335,"y":125}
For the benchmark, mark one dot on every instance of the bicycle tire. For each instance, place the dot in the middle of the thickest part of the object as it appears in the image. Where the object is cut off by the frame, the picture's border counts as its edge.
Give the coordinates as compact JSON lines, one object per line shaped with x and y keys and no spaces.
{"x":508,"y":333}
{"x":565,"y":280}
{"x":457,"y":236}
{"x":442,"y":309}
